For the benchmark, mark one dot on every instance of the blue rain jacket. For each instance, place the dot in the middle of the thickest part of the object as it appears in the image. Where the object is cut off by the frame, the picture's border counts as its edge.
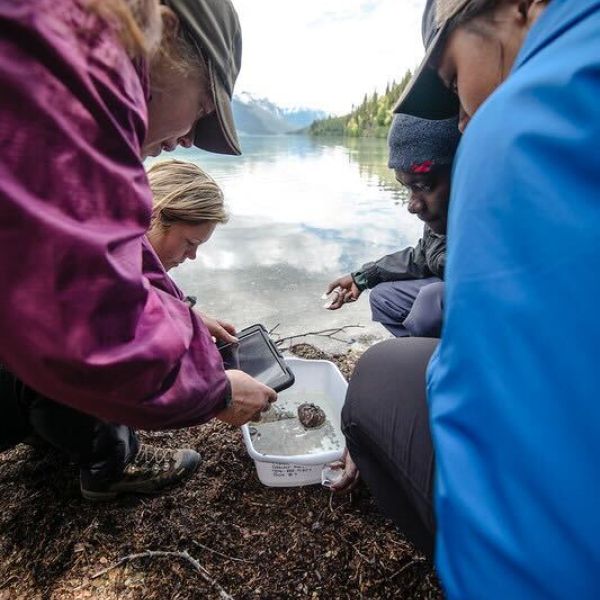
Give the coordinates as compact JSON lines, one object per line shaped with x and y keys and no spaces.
{"x":514,"y":389}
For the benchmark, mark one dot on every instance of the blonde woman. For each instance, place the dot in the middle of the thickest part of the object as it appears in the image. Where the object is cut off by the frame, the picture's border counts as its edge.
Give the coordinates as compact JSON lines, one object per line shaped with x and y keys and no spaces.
{"x":88,"y":88}
{"x":187,"y":207}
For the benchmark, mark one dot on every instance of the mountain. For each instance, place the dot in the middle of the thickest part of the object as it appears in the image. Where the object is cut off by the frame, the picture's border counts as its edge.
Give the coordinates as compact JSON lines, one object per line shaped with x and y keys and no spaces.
{"x":301,"y":117}
{"x":260,"y":116}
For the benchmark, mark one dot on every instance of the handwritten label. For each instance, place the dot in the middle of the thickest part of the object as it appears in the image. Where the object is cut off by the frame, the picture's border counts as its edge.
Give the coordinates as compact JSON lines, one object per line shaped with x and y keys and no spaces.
{"x":286,"y":470}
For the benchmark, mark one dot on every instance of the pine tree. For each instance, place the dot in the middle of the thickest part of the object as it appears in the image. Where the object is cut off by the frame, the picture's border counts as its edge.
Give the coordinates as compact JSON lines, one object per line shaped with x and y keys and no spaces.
{"x":372,"y":117}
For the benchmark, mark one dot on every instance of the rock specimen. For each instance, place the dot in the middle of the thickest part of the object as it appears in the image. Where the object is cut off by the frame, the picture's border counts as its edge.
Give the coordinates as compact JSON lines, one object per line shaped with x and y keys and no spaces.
{"x":311,"y":416}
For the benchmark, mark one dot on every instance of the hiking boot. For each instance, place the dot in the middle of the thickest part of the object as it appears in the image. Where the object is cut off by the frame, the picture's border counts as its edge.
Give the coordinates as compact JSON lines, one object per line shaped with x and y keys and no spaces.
{"x":36,"y":442}
{"x":151,"y":470}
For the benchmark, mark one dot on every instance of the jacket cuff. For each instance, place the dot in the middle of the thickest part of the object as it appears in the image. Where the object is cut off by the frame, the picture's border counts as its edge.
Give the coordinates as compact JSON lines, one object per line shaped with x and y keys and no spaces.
{"x":359,"y":280}
{"x":367,"y":277}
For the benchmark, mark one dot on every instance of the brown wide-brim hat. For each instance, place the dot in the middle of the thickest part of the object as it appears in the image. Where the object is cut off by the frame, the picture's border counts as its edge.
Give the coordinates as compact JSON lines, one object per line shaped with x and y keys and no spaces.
{"x":214,"y":27}
{"x":426,"y":96}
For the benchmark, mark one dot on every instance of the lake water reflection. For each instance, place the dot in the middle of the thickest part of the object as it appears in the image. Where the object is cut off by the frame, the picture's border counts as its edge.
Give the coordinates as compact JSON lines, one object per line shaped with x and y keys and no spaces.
{"x":303,"y":211}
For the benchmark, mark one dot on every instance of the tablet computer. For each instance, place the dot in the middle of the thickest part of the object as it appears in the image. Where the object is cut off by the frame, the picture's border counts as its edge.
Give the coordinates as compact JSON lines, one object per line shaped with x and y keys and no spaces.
{"x":257,"y":355}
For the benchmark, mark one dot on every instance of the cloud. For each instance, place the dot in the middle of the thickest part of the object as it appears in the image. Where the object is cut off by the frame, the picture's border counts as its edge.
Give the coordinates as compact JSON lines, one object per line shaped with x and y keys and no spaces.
{"x":348,"y":11}
{"x":326,"y":53}
{"x":316,"y":207}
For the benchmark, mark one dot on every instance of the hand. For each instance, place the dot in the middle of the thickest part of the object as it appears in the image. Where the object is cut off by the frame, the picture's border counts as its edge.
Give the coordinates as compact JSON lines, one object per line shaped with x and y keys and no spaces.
{"x":220,"y":330}
{"x":348,"y":291}
{"x":349,"y":479}
{"x":248,"y":399}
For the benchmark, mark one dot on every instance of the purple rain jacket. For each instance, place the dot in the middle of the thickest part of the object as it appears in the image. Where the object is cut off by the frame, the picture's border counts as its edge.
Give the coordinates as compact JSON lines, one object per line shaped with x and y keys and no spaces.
{"x":79,"y":322}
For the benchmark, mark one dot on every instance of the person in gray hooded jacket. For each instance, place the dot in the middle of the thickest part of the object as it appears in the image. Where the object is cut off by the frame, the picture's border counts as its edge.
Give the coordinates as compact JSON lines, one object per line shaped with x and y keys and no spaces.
{"x":407,"y":286}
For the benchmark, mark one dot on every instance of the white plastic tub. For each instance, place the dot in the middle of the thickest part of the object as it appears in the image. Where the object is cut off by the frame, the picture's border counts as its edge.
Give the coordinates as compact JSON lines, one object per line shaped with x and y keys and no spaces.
{"x":303,"y":469}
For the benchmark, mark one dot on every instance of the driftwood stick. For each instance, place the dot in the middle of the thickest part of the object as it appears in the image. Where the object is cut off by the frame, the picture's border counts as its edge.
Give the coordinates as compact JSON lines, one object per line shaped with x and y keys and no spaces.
{"x":220,"y":553}
{"x":410,"y":563}
{"x":169,"y":554}
{"x":329,"y":333}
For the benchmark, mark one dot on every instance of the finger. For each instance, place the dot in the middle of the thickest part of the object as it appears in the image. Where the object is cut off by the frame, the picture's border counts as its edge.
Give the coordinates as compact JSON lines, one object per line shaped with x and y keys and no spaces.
{"x":228,"y":327}
{"x":337,"y":302}
{"x":334,"y":303}
{"x":332,"y":286}
{"x":347,"y":482}
{"x":271,"y":395}
{"x":354,"y":481}
{"x":350,"y":485}
{"x":341,"y":484}
{"x":225,"y":336}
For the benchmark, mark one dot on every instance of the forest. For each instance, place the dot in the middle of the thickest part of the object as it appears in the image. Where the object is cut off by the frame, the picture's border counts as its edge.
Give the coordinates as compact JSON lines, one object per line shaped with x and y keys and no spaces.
{"x":371,"y":118}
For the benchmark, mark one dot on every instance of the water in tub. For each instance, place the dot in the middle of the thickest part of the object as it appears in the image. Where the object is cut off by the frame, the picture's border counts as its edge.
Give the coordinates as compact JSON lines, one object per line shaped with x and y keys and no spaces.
{"x":280,"y":432}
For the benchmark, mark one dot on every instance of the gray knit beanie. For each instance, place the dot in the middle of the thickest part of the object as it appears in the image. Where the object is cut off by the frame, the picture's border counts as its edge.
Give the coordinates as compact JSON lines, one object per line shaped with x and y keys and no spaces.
{"x":418,"y":145}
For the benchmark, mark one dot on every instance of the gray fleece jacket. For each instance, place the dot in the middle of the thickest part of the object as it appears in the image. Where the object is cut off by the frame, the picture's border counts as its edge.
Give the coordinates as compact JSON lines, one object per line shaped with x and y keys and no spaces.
{"x":426,"y":259}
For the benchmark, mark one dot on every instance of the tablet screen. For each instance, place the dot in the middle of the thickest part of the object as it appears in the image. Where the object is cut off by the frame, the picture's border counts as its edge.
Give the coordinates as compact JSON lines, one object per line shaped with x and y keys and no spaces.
{"x":257,"y":359}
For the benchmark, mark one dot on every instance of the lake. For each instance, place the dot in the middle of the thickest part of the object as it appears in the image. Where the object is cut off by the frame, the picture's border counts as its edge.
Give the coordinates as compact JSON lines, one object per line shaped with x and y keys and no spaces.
{"x":303,"y":212}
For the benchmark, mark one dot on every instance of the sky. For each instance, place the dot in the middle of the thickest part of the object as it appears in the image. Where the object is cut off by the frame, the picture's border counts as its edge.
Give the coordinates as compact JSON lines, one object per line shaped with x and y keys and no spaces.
{"x":325,"y":54}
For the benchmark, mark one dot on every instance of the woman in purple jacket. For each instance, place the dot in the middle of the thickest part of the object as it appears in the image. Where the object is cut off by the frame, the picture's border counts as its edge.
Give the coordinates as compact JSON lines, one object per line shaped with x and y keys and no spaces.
{"x":80,"y":321}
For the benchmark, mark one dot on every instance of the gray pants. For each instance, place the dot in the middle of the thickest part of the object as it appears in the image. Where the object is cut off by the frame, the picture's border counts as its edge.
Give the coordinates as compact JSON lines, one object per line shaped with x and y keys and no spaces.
{"x":386,"y":423}
{"x":413,"y":307}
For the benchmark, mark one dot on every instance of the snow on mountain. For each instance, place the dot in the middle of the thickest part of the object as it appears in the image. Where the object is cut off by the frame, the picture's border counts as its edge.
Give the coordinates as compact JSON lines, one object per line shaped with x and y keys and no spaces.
{"x":260,"y":116}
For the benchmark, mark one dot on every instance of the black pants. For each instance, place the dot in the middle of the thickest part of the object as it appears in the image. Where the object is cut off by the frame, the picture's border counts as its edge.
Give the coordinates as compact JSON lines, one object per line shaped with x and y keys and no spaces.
{"x":385,"y":421}
{"x":100,"y":449}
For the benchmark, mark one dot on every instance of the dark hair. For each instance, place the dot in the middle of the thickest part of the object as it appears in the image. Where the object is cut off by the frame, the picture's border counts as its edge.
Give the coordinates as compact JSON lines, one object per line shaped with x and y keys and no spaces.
{"x":473,"y":10}
{"x":478,"y":8}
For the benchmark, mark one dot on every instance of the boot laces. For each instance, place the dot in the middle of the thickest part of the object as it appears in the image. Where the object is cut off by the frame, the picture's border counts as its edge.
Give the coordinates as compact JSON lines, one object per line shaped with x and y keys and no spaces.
{"x":152,"y":458}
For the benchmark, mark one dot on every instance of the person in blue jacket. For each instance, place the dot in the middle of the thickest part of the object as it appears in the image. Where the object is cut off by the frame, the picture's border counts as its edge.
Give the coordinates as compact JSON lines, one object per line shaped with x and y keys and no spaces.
{"x":385,"y":418}
{"x":513,"y":387}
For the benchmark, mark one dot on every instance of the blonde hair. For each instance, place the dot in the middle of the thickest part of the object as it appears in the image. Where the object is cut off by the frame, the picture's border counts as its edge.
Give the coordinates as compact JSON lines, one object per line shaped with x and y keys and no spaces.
{"x":139,"y":23}
{"x":179,"y":52}
{"x":182,"y":191}
{"x":141,"y":26}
